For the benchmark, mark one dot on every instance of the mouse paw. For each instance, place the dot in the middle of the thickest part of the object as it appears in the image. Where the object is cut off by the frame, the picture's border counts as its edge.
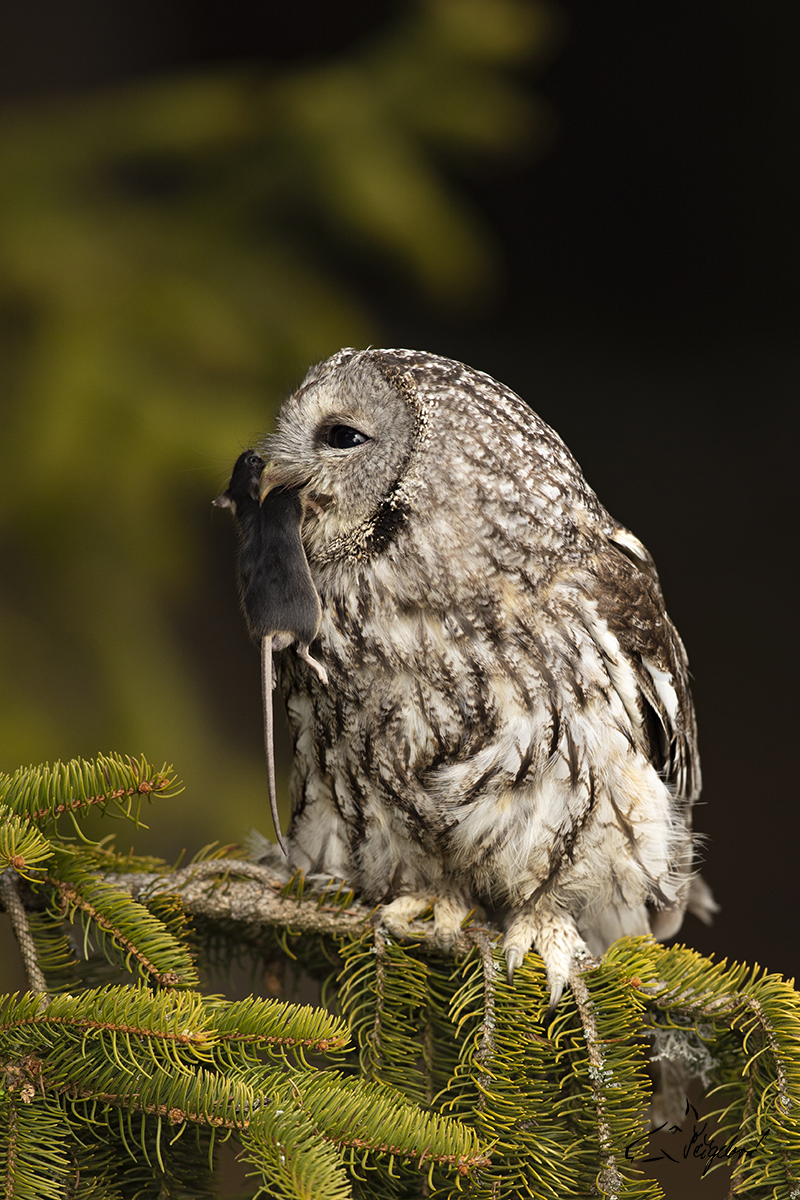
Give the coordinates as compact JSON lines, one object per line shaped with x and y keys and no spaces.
{"x":303,"y":652}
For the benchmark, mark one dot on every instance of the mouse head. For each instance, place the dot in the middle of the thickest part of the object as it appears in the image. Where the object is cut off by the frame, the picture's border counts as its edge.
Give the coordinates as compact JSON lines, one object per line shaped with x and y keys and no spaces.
{"x":243,"y":486}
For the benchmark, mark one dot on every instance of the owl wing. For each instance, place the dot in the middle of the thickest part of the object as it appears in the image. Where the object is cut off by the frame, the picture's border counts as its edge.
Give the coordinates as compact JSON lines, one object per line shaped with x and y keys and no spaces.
{"x":629,"y":598}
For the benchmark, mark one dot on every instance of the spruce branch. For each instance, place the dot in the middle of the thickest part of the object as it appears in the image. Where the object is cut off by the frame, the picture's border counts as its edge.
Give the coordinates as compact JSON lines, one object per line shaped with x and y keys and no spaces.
{"x":611,"y":1177}
{"x":244,"y":892}
{"x":114,"y":782}
{"x":11,"y":1152}
{"x":227,"y":889}
{"x":174,"y":1115}
{"x":379,"y":938}
{"x":22,"y":846}
{"x":72,"y":901}
{"x":544,"y":1103}
{"x":126,"y":930}
{"x":34,"y":1164}
{"x":486,"y":1047}
{"x":370,"y":1116}
{"x":9,"y":895}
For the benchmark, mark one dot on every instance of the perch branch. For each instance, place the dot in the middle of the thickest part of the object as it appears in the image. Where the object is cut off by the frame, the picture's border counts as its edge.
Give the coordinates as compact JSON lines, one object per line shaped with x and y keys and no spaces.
{"x":225,"y":889}
{"x":10,"y":898}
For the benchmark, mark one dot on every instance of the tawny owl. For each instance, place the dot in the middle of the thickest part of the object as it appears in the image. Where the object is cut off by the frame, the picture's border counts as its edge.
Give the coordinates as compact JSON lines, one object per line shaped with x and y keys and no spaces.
{"x":507,"y":721}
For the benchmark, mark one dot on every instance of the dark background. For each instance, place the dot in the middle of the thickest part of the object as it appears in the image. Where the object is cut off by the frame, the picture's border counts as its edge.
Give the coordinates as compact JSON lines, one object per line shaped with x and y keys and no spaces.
{"x":648,"y":312}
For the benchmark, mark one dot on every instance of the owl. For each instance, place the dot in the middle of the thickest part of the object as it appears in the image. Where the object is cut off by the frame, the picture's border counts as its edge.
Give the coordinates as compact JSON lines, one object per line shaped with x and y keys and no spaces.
{"x":507,"y":721}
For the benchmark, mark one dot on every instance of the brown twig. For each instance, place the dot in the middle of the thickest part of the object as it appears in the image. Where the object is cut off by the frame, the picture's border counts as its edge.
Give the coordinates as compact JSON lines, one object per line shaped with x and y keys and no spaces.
{"x":175,"y":1116}
{"x":486,"y":1047}
{"x":9,"y":1189}
{"x":183,"y":1039}
{"x":610,"y":1176}
{"x":226,"y":889}
{"x":9,"y":884}
{"x":380,"y":976}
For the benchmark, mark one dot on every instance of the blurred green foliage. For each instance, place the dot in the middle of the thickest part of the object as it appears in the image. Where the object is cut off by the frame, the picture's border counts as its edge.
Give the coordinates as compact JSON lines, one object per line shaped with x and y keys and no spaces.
{"x":168,"y":270}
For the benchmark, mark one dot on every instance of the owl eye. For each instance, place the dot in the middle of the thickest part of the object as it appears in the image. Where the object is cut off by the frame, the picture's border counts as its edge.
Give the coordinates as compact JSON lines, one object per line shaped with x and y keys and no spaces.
{"x":345,"y":437}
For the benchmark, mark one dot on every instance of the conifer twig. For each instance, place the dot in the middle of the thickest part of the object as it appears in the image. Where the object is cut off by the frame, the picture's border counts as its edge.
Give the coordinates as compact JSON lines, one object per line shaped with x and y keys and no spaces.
{"x":486,"y":1047}
{"x":785,"y":1100}
{"x":143,"y":788}
{"x":22,"y":930}
{"x":610,"y":1176}
{"x":11,"y":1151}
{"x":228,"y":889}
{"x":71,"y":897}
{"x":175,"y":1116}
{"x":380,"y":974}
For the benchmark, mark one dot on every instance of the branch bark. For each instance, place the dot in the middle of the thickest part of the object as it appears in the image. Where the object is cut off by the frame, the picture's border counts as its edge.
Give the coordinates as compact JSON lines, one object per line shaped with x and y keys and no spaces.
{"x":251,"y":894}
{"x":12,"y":903}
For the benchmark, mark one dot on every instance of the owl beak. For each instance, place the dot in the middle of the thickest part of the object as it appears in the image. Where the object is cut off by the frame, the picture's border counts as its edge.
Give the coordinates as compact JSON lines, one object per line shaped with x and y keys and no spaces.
{"x":271,"y":477}
{"x":275,"y":476}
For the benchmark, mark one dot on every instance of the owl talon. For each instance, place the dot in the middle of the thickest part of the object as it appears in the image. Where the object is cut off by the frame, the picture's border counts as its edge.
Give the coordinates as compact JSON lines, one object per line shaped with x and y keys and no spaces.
{"x":449,"y":911}
{"x":556,"y":992}
{"x":513,"y":958}
{"x":557,"y":942}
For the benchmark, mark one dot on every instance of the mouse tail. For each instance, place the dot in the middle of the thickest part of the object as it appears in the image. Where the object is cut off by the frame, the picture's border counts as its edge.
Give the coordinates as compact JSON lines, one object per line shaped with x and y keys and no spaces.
{"x":267,"y":684}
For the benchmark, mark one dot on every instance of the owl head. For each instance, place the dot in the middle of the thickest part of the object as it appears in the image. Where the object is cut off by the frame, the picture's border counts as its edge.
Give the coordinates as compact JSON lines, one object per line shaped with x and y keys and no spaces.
{"x":374,"y":436}
{"x":344,"y":439}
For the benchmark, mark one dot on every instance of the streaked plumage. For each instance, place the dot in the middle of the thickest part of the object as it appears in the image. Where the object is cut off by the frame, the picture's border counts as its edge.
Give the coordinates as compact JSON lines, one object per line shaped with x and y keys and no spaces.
{"x":508,"y":719}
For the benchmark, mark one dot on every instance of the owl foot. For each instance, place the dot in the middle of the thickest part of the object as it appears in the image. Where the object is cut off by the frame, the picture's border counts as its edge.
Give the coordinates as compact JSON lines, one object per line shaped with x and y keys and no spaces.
{"x":449,"y":911}
{"x":555,"y":938}
{"x":396,"y":915}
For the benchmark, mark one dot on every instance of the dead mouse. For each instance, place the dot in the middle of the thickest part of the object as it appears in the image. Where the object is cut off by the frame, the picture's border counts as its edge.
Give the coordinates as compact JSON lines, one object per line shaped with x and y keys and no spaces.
{"x":279,"y":600}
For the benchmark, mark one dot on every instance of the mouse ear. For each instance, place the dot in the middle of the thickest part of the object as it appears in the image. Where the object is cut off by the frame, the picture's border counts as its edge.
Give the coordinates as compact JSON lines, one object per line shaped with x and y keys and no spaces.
{"x":223,"y":501}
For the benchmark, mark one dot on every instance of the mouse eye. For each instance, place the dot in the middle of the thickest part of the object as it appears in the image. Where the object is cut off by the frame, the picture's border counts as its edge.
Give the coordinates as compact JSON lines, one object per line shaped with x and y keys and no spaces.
{"x":345,"y":437}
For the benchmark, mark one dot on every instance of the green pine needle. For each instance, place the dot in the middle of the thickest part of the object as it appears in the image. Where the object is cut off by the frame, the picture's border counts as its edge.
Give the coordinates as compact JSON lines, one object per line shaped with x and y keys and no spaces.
{"x":113,"y":783}
{"x":450,"y":1081}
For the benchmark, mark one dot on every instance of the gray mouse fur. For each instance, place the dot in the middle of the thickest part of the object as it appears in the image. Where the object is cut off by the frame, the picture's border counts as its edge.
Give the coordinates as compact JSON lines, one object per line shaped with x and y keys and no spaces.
{"x":278,"y":597}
